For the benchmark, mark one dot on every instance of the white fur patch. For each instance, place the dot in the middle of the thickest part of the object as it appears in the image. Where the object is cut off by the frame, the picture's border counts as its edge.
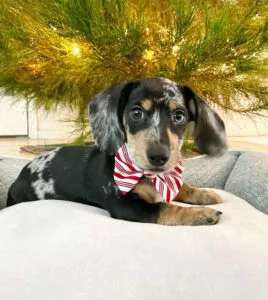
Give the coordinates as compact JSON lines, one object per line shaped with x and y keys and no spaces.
{"x":156,"y":119}
{"x":169,"y":85}
{"x":106,"y":129}
{"x":215,"y":124}
{"x":110,"y":188}
{"x":154,"y":131}
{"x":38,"y":165}
{"x":105,"y":123}
{"x":171,"y":90}
{"x":212,"y":119}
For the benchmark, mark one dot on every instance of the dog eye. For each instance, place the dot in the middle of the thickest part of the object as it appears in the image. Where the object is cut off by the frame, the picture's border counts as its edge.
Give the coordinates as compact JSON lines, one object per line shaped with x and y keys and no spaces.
{"x":179,"y":117}
{"x":136,"y":113}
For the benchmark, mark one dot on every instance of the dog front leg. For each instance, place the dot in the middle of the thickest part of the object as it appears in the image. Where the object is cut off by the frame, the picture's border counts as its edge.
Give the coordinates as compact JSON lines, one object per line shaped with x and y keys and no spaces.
{"x":132,"y":208}
{"x":192,"y":195}
{"x":177,"y":215}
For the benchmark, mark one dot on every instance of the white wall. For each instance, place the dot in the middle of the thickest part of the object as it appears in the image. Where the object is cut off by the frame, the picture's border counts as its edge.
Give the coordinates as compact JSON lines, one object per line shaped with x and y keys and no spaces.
{"x":51,"y":125}
{"x":16,"y":115}
{"x":13,"y":117}
{"x":242,"y":126}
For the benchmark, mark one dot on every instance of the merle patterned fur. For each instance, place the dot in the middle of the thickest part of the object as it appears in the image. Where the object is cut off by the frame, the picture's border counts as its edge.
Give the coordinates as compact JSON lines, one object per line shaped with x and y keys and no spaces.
{"x":85,"y":174}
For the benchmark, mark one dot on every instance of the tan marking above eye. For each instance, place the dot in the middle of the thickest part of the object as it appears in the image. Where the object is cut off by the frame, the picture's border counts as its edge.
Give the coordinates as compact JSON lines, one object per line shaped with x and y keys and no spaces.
{"x":147,"y":104}
{"x":174,"y":104}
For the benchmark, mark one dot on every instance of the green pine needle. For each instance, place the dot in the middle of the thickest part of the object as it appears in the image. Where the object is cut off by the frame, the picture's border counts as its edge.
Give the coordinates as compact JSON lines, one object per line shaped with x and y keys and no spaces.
{"x":62,"y":52}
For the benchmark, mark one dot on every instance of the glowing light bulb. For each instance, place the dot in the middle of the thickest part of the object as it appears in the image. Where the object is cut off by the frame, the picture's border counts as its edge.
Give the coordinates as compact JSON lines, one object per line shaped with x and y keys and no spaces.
{"x":76,"y":50}
{"x":175,"y":48}
{"x":53,"y":28}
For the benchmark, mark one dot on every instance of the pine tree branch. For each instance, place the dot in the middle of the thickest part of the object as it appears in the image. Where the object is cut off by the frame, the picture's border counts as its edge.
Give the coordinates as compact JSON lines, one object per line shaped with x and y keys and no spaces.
{"x":62,"y":52}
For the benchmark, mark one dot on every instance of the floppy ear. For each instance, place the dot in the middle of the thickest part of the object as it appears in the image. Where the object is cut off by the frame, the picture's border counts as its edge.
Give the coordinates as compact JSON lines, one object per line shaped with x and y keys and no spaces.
{"x":104,"y":115}
{"x":209,"y":130}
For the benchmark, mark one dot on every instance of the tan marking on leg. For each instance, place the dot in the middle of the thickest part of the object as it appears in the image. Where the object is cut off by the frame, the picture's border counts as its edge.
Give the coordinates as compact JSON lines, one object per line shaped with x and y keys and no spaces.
{"x":147,"y":104}
{"x":193,"y":195}
{"x":147,"y":191}
{"x":177,"y":215}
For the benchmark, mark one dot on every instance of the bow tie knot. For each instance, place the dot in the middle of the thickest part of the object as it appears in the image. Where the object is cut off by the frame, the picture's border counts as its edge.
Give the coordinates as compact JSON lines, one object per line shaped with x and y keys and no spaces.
{"x":127,"y":175}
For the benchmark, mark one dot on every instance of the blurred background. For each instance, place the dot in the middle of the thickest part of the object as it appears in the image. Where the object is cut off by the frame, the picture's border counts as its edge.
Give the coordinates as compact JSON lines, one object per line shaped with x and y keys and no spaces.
{"x":55,"y":55}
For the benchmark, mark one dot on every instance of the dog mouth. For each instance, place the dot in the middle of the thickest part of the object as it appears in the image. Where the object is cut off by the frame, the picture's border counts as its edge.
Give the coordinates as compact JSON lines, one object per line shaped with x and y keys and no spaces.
{"x":157,"y":170}
{"x":161,"y":169}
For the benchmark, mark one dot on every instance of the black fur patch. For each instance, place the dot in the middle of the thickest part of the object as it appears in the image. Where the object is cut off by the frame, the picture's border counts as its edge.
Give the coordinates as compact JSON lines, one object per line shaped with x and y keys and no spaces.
{"x":34,"y":176}
{"x":46,"y":175}
{"x":85,"y":174}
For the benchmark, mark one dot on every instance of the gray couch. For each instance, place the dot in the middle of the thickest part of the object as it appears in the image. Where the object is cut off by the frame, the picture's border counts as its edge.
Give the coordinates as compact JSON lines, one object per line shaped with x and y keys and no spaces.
{"x":63,"y":250}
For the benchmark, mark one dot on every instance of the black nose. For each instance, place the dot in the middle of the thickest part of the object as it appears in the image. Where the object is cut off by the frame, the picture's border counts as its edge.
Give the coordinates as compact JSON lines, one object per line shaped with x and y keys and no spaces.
{"x":158,"y":155}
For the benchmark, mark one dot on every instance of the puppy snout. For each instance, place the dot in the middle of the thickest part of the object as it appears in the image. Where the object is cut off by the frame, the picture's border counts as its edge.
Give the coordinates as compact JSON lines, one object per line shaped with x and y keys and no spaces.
{"x":158,"y":155}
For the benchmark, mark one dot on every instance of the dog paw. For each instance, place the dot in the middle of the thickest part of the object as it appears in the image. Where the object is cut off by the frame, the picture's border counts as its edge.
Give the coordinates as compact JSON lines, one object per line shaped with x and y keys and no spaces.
{"x":200,"y":216}
{"x":208,"y":197}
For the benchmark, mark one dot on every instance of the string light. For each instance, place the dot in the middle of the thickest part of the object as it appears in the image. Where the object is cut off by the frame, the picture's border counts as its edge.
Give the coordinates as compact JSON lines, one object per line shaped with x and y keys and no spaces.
{"x":53,"y":28}
{"x":76,"y":50}
{"x":175,"y":48}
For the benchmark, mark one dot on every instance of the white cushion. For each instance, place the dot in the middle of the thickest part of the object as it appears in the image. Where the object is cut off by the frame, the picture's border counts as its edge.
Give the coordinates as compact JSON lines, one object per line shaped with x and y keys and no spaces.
{"x":63,"y":250}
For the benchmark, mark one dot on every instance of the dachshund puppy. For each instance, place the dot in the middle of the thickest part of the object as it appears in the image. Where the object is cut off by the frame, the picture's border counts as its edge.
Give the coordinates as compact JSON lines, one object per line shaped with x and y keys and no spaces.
{"x":134,"y":171}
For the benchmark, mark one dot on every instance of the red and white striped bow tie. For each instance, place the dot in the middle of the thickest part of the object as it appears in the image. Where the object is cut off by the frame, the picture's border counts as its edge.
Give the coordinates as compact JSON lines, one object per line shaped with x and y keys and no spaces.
{"x":127,"y":175}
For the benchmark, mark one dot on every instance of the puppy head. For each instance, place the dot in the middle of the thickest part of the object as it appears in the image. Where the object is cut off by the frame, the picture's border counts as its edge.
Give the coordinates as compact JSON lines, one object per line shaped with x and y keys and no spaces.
{"x":151,"y":116}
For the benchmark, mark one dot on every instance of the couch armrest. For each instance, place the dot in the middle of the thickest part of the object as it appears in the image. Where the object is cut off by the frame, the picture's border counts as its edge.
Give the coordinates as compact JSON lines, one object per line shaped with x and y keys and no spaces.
{"x":211,"y":172}
{"x":10,"y":168}
{"x":249,"y":179}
